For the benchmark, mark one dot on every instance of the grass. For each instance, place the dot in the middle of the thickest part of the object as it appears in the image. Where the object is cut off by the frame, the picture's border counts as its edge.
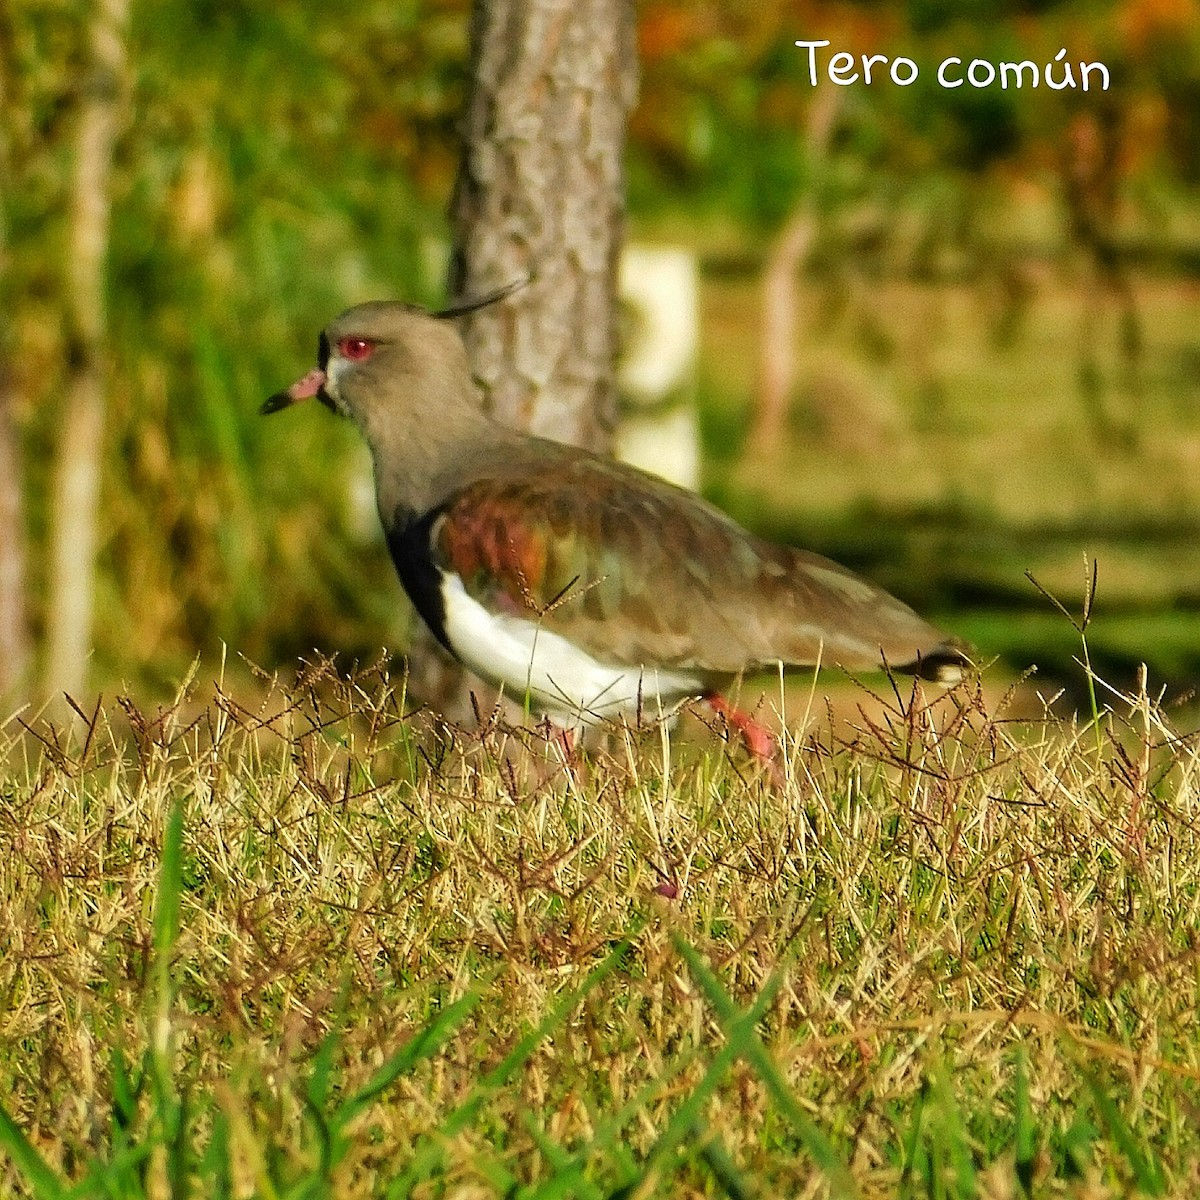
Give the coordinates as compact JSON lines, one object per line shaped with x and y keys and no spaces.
{"x":329,"y":947}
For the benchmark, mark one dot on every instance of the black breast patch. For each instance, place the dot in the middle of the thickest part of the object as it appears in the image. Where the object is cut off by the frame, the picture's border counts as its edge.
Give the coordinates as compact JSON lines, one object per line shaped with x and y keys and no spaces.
{"x":410,"y":544}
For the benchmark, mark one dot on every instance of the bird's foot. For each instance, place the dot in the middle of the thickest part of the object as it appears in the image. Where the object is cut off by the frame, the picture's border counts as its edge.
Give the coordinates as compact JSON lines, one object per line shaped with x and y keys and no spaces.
{"x":759,"y":740}
{"x":562,"y":743}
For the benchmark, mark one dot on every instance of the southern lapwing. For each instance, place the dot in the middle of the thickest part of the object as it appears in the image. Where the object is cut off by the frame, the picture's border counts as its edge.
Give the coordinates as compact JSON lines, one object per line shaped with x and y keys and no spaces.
{"x":581,"y":584}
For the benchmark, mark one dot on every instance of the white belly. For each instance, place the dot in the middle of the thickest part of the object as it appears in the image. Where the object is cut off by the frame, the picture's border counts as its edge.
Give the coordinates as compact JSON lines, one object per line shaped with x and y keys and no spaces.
{"x":558,"y":678}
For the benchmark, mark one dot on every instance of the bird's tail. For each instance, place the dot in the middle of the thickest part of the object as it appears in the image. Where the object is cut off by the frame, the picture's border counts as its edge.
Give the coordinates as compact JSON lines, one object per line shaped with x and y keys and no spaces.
{"x":946,"y":663}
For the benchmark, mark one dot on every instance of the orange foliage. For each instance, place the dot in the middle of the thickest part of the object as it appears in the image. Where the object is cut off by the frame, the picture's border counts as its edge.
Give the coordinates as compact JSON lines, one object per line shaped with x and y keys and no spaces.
{"x":1144,"y":23}
{"x":668,"y":29}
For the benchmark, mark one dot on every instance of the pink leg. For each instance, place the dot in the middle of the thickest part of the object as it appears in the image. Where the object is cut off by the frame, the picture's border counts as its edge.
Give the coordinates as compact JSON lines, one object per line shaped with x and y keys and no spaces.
{"x":760,"y":741}
{"x":564,"y":739}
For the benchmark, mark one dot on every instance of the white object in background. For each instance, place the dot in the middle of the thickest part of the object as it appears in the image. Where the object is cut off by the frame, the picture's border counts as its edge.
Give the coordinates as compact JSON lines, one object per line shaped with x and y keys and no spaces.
{"x":656,"y":372}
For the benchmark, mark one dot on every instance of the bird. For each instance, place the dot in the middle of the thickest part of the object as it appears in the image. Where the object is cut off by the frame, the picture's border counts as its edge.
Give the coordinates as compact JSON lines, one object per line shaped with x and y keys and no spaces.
{"x":580,"y":585}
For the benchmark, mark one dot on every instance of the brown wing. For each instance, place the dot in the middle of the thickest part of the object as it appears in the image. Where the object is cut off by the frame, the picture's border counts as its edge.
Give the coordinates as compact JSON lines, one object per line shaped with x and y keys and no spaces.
{"x":639,"y":572}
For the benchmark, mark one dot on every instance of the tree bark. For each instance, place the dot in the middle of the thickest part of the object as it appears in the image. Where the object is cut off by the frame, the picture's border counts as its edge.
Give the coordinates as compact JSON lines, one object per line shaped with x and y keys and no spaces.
{"x":14,"y":631}
{"x":77,"y":481}
{"x":540,"y":192}
{"x":14,"y":634}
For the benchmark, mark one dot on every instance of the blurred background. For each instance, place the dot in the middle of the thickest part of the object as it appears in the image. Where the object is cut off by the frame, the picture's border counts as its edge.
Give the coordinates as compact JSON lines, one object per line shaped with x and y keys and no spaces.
{"x":947,"y":337}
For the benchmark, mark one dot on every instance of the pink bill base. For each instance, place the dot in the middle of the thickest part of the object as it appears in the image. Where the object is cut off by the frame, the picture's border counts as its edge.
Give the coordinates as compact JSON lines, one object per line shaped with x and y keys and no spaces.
{"x":302,"y":389}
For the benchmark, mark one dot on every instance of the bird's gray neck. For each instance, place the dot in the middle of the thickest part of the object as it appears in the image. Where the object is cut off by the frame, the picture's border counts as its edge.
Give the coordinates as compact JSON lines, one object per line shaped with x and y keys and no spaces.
{"x":424,"y":420}
{"x":419,"y":465}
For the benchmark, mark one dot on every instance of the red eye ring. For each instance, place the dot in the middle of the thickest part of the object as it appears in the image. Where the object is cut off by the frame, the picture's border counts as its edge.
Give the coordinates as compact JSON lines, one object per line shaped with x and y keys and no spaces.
{"x":355,"y":348}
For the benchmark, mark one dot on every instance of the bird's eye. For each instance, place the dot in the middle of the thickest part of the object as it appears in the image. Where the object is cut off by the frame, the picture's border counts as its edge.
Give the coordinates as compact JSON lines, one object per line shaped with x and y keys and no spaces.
{"x":355,"y":348}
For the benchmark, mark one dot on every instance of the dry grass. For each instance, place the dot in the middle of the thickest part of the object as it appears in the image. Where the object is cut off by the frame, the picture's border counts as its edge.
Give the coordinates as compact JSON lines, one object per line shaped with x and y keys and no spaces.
{"x":972,"y":943}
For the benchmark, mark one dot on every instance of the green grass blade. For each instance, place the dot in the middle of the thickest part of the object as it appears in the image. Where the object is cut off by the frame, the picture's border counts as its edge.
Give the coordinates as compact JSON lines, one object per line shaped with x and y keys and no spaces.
{"x":38,"y":1173}
{"x":1147,"y":1170}
{"x":170,"y":887}
{"x":500,"y":1074}
{"x":315,"y":1096}
{"x":568,"y":1179}
{"x":179,"y":1149}
{"x":215,"y":1168}
{"x":915,"y":1161}
{"x":1025,"y":1133}
{"x":121,"y":1175}
{"x":725,"y":1171}
{"x":950,"y":1134}
{"x":321,"y":1071}
{"x":499,"y":1177}
{"x":606,"y":1137}
{"x":125,"y":1091}
{"x":424,"y":1044}
{"x":1077,"y":1146}
{"x":327,"y":1152}
{"x":168,"y":1110}
{"x":686,"y":1119}
{"x":815,"y":1142}
{"x":429,"y":1155}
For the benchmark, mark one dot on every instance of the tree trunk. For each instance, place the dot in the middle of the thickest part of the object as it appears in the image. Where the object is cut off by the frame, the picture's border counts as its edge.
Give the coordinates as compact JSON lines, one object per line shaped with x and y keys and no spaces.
{"x":14,"y":636}
{"x":77,"y":481}
{"x":14,"y":632}
{"x":780,"y":303}
{"x":540,"y":192}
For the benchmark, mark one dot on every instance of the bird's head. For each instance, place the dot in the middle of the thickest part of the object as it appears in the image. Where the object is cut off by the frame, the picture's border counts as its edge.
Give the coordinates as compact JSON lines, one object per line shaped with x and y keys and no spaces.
{"x":387,"y":363}
{"x":372,"y":358}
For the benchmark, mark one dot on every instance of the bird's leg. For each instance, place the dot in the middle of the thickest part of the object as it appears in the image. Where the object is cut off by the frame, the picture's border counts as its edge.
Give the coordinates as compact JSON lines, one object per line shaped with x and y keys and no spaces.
{"x":565,"y":737}
{"x":760,"y":741}
{"x":563,"y":740}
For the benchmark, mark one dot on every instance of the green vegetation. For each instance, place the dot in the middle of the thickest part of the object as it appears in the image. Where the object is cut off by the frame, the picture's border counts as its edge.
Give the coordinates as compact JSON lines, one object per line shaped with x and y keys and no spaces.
{"x":326,"y":947}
